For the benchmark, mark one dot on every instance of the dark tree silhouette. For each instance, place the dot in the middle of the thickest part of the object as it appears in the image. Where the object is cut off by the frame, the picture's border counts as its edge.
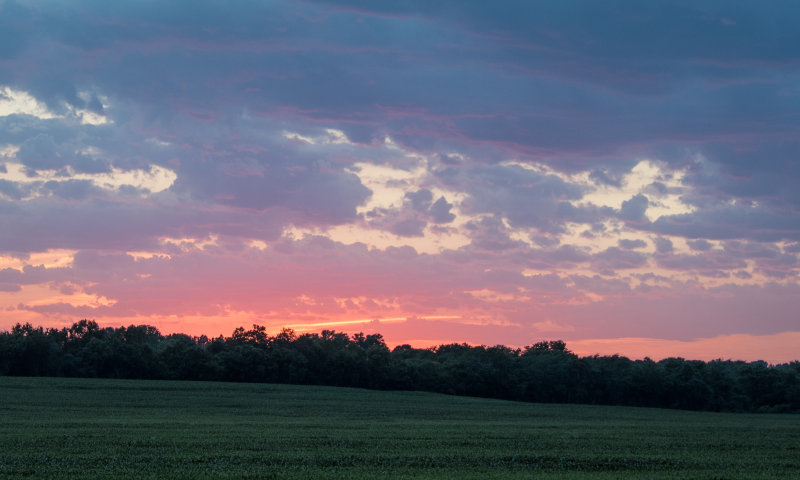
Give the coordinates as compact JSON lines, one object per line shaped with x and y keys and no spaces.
{"x":545,"y":371}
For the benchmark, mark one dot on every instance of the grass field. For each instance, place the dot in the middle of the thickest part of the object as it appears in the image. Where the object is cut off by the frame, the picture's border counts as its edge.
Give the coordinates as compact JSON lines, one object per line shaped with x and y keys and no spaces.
{"x":82,"y":428}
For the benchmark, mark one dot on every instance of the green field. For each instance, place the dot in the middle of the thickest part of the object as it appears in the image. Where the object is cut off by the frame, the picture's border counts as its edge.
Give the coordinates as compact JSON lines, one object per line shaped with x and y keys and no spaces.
{"x":87,"y":428}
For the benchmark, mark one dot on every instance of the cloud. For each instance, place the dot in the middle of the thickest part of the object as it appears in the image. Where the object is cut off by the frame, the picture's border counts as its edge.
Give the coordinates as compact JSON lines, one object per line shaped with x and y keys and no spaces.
{"x":440,"y":211}
{"x":708,"y":261}
{"x":408,"y":227}
{"x":700,"y":245}
{"x":415,"y":212}
{"x":71,"y":189}
{"x":490,"y":233}
{"x":98,"y":223}
{"x":11,"y":190}
{"x":663,"y":245}
{"x":527,"y":198}
{"x":792,"y":248}
{"x":39,"y":153}
{"x":22,"y":183}
{"x":634,"y":209}
{"x":420,"y":200}
{"x":729,"y":222}
{"x":613,"y":258}
{"x":627,"y":244}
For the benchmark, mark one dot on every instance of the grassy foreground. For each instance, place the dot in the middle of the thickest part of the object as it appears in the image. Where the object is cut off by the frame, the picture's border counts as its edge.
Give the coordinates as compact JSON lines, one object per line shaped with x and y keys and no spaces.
{"x":88,"y":428}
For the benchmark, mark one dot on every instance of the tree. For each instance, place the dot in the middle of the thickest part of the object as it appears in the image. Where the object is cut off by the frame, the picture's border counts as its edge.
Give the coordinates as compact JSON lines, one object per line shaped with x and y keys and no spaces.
{"x":256,"y":336}
{"x":30,"y":351}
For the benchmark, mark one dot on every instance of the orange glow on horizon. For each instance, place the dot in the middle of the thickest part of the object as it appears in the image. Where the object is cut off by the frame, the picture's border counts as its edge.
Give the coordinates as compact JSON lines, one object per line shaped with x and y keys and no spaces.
{"x":425,"y":332}
{"x":782,"y":347}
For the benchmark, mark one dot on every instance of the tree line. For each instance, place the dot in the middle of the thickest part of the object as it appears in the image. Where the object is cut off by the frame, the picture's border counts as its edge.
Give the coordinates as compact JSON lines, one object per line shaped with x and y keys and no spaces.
{"x":543,"y":372}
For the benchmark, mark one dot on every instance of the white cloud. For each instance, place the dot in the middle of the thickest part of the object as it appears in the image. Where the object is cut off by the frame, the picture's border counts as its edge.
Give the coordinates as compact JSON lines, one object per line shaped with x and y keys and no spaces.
{"x":388,"y":185}
{"x":53,"y":258}
{"x":91,"y":118}
{"x":188,"y":244}
{"x":154,"y":180}
{"x":430,"y":242}
{"x":638,"y":181}
{"x":9,"y":151}
{"x":331,"y":136}
{"x":18,"y":102}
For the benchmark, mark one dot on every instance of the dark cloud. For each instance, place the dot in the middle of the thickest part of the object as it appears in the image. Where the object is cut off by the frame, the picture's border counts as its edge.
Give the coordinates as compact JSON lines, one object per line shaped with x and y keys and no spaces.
{"x":612,"y":259}
{"x":449,"y":159}
{"x":15,"y":23}
{"x":413,"y":217}
{"x":440,"y":211}
{"x":634,"y":209}
{"x":767,"y":258}
{"x":527,"y":198}
{"x":71,"y":189}
{"x":12,"y":190}
{"x":54,"y":145}
{"x":319,"y":191}
{"x":10,"y":275}
{"x":663,"y":245}
{"x":792,"y":248}
{"x":420,"y":200}
{"x":408,"y":227}
{"x":627,"y":244}
{"x":713,"y":261}
{"x":565,"y":256}
{"x":700,"y":245}
{"x":82,"y":163}
{"x":363,"y":51}
{"x":600,"y":285}
{"x":567,"y":212}
{"x":603,"y":177}
{"x":657,"y":188}
{"x":489,"y":233}
{"x":40,"y":153}
{"x":726,"y":222}
{"x":753,"y":250}
{"x":99,"y":223}
{"x":544,"y":241}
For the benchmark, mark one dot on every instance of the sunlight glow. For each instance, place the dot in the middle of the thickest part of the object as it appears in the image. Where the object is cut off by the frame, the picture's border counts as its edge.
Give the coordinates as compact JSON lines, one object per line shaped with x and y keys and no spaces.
{"x":52,"y":258}
{"x":772,"y":348}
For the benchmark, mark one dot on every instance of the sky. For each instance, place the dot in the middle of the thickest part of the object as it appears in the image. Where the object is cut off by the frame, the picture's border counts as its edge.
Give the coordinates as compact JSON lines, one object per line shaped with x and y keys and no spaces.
{"x":620,"y":175}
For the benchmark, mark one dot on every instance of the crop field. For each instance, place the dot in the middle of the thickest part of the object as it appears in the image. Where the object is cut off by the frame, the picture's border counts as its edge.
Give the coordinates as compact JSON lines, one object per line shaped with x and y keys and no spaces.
{"x":88,"y":428}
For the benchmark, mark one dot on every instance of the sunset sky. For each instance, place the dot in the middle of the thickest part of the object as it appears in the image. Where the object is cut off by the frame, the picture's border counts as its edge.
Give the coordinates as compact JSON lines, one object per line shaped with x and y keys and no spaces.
{"x":624,"y":176}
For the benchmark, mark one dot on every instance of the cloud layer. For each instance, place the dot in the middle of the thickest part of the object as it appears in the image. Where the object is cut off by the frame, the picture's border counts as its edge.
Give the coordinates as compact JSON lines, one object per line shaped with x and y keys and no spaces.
{"x":448,"y":171}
